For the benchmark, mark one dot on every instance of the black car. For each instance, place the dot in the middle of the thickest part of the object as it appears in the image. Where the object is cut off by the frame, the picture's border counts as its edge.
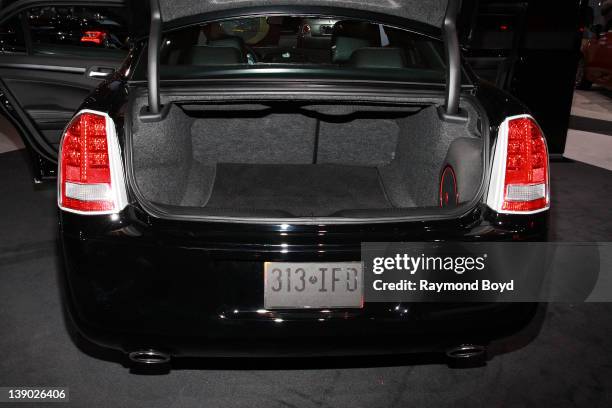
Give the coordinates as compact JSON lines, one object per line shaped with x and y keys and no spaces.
{"x":78,"y":26}
{"x":226,"y":170}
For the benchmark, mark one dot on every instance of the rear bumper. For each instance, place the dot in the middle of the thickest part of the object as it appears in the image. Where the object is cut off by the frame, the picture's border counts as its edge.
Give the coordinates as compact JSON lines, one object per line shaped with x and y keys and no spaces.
{"x":195,"y":289}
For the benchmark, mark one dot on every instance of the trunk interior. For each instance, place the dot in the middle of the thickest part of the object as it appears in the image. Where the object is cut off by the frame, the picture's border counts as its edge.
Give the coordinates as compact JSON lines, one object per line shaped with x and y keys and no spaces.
{"x":299,"y":159}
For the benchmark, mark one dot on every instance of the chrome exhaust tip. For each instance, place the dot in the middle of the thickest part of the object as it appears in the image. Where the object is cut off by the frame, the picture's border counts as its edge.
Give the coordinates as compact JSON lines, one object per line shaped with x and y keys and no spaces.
{"x":149,"y":357}
{"x":467,"y":355}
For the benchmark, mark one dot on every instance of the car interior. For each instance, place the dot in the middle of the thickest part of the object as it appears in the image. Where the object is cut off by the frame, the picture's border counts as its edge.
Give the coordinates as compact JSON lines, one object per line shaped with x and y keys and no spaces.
{"x":298,"y":40}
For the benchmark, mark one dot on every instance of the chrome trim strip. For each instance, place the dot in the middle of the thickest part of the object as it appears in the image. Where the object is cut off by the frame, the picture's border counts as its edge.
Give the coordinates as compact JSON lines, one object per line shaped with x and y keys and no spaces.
{"x":38,"y":67}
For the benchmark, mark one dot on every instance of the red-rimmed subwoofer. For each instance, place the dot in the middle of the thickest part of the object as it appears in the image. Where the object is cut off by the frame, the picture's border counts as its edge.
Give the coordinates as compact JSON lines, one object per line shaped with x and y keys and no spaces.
{"x":449,"y":195}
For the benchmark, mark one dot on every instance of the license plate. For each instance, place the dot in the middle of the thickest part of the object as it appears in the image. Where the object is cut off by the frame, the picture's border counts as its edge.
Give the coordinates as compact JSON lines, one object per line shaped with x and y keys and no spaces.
{"x":313,"y":285}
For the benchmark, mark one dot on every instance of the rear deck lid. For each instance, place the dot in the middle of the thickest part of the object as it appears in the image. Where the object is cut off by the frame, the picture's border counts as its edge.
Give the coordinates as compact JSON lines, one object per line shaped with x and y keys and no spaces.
{"x":429,"y":12}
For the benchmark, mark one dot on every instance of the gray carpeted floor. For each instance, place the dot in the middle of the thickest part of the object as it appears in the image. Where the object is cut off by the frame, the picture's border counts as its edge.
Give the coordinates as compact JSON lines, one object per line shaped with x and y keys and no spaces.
{"x":301,"y":190}
{"x":569,"y":363}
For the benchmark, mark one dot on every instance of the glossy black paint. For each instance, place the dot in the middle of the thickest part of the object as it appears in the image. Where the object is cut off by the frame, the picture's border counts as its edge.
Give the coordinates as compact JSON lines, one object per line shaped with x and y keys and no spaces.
{"x":196,"y":288}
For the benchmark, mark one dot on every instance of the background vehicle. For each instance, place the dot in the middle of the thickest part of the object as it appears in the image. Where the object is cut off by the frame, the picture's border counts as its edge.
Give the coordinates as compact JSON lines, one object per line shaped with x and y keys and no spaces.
{"x":595,"y":66}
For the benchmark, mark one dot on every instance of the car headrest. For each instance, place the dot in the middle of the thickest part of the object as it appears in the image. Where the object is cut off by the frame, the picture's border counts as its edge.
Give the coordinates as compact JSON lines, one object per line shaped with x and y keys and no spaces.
{"x":212,"y":56}
{"x":233,"y":42}
{"x":357,"y":29}
{"x":348,"y":36}
{"x":378,"y":58}
{"x":343,"y":48}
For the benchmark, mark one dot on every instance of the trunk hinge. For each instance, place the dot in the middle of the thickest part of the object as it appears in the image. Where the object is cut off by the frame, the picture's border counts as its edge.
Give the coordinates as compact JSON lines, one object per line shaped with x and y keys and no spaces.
{"x":155,"y":111}
{"x":451,"y":111}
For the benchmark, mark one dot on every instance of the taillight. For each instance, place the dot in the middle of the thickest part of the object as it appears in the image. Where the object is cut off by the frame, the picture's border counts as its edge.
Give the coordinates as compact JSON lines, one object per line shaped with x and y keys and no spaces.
{"x":91,"y":177}
{"x":96,"y":37}
{"x":519,"y":178}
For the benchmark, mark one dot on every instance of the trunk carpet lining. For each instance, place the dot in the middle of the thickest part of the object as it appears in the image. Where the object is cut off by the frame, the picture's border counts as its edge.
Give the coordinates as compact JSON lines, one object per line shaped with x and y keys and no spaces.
{"x":304,"y":190}
{"x":376,"y":165}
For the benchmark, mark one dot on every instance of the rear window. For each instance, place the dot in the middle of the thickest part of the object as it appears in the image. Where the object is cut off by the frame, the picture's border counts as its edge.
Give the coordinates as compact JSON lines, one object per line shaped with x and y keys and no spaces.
{"x":312,"y":44}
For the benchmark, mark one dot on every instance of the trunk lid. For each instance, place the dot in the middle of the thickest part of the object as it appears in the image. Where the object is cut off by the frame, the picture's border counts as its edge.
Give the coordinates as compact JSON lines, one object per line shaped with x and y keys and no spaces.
{"x":429,"y":12}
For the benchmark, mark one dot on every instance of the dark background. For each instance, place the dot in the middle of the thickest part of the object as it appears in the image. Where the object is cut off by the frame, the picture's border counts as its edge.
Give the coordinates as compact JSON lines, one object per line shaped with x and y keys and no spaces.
{"x":530,"y":49}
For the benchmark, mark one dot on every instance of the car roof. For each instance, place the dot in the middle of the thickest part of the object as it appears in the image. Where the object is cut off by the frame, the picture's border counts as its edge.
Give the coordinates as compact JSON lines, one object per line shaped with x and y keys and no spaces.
{"x":430,"y":12}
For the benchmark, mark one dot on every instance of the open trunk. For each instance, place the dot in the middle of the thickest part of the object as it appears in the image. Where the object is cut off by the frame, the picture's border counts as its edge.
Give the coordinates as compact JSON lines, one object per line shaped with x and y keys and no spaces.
{"x":296,"y":159}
